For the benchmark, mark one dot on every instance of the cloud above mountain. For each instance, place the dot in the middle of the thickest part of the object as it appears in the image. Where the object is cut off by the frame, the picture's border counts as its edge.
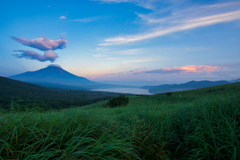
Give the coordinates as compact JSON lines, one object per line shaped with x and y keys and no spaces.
{"x":48,"y":55}
{"x":42,"y":44}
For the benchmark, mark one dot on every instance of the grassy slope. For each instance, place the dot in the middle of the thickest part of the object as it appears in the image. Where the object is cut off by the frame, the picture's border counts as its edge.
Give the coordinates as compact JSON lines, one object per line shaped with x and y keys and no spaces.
{"x":202,"y":123}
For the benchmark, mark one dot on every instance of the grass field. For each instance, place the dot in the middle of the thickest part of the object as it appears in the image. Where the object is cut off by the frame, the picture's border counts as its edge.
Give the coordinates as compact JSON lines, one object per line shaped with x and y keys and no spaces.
{"x":196,"y":124}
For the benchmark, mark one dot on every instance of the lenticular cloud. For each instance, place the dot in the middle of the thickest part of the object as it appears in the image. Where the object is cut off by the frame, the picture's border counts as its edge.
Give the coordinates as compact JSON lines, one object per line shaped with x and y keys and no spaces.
{"x":42,"y":44}
{"x":48,"y":55}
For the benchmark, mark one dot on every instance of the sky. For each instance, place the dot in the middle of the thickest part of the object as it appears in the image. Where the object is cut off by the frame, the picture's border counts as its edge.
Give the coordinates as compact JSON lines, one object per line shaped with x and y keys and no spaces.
{"x":138,"y":42}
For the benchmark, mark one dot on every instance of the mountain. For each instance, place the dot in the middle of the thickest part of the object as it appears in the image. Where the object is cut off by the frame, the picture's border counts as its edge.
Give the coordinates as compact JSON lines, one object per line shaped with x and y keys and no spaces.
{"x":55,"y":76}
{"x":185,"y":86}
{"x":51,"y":74}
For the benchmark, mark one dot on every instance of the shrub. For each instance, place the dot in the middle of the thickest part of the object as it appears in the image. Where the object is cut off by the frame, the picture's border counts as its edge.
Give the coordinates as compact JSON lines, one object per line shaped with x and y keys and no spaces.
{"x":118,"y":101}
{"x":169,"y":93}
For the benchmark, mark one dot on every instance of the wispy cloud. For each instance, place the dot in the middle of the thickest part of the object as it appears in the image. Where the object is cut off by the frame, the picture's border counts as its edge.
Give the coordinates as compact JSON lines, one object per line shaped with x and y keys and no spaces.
{"x":149,"y":4}
{"x":135,"y":71}
{"x":62,"y":17}
{"x":104,"y":51}
{"x":186,"y":69}
{"x":85,"y":19}
{"x":111,"y":58}
{"x":196,"y":69}
{"x":130,"y":51}
{"x":139,"y":61}
{"x":193,"y":17}
{"x":99,"y":55}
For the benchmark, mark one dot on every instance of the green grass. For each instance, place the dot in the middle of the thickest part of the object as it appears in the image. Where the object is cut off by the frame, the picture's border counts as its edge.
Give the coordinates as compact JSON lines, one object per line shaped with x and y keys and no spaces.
{"x":196,"y":124}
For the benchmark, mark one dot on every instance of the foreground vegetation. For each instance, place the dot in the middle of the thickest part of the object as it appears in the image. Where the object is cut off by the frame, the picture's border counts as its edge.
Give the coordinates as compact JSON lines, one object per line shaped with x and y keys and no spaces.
{"x":196,"y":124}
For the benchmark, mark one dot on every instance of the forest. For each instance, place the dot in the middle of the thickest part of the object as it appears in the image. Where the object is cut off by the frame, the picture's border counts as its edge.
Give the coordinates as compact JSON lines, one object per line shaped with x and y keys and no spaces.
{"x":22,"y":95}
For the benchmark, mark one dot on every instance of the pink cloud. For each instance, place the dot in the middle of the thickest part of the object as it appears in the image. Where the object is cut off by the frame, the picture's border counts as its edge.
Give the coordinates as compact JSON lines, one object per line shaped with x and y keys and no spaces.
{"x":136,"y":70}
{"x":48,"y":55}
{"x":43,"y":44}
{"x":186,"y":69}
{"x":62,"y":17}
{"x":196,"y":69}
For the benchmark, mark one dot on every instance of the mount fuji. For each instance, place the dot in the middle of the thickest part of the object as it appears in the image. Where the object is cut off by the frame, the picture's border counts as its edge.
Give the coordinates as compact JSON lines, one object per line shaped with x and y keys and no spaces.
{"x":55,"y":76}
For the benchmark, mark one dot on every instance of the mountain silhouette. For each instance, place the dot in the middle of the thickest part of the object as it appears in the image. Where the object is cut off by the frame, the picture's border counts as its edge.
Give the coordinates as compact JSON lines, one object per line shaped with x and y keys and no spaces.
{"x":53,"y":75}
{"x":184,"y":86}
{"x":56,"y":77}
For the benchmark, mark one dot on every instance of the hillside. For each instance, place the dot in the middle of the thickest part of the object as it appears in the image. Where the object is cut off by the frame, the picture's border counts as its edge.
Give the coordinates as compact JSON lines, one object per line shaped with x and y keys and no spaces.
{"x":185,"y":86}
{"x":178,"y":96}
{"x":195,"y":124}
{"x":31,"y":94}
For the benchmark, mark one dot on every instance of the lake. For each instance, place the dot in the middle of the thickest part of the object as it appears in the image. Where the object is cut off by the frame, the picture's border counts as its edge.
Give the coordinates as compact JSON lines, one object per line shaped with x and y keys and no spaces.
{"x":125,"y":90}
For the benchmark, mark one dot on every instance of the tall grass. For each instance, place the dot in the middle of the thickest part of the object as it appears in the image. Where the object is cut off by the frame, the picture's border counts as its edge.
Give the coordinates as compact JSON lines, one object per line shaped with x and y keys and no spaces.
{"x":207,"y":127}
{"x":61,"y":135}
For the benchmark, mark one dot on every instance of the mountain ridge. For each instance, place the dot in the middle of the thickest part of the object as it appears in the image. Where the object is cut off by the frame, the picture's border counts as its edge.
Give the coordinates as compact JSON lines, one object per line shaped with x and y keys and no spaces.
{"x":184,"y":86}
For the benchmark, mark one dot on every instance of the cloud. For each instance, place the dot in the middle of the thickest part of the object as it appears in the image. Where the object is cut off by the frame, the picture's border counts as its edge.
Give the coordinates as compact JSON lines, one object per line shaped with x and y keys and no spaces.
{"x":186,"y":19}
{"x":54,"y":65}
{"x":186,"y":69}
{"x":99,"y":55}
{"x":42,"y":44}
{"x":48,"y":55}
{"x":137,"y":70}
{"x":148,"y":4}
{"x":130,"y":51}
{"x":85,"y":19}
{"x":189,"y":70}
{"x":62,"y":17}
{"x":111,"y":58}
{"x":138,"y":61}
{"x":108,"y":53}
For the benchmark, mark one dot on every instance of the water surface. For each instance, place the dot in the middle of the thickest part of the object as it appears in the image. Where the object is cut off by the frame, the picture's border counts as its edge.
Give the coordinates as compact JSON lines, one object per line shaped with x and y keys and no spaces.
{"x":125,"y":90}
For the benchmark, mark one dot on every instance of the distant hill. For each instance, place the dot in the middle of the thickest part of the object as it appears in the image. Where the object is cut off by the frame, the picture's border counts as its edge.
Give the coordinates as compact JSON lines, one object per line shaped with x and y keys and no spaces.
{"x":235,"y":80}
{"x":185,"y":86}
{"x":7,"y":84}
{"x":55,"y":76}
{"x":27,"y":94}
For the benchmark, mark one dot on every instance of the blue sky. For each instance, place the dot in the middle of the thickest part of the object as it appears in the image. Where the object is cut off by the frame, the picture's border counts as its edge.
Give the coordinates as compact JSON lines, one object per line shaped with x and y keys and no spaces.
{"x":124,"y":41}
